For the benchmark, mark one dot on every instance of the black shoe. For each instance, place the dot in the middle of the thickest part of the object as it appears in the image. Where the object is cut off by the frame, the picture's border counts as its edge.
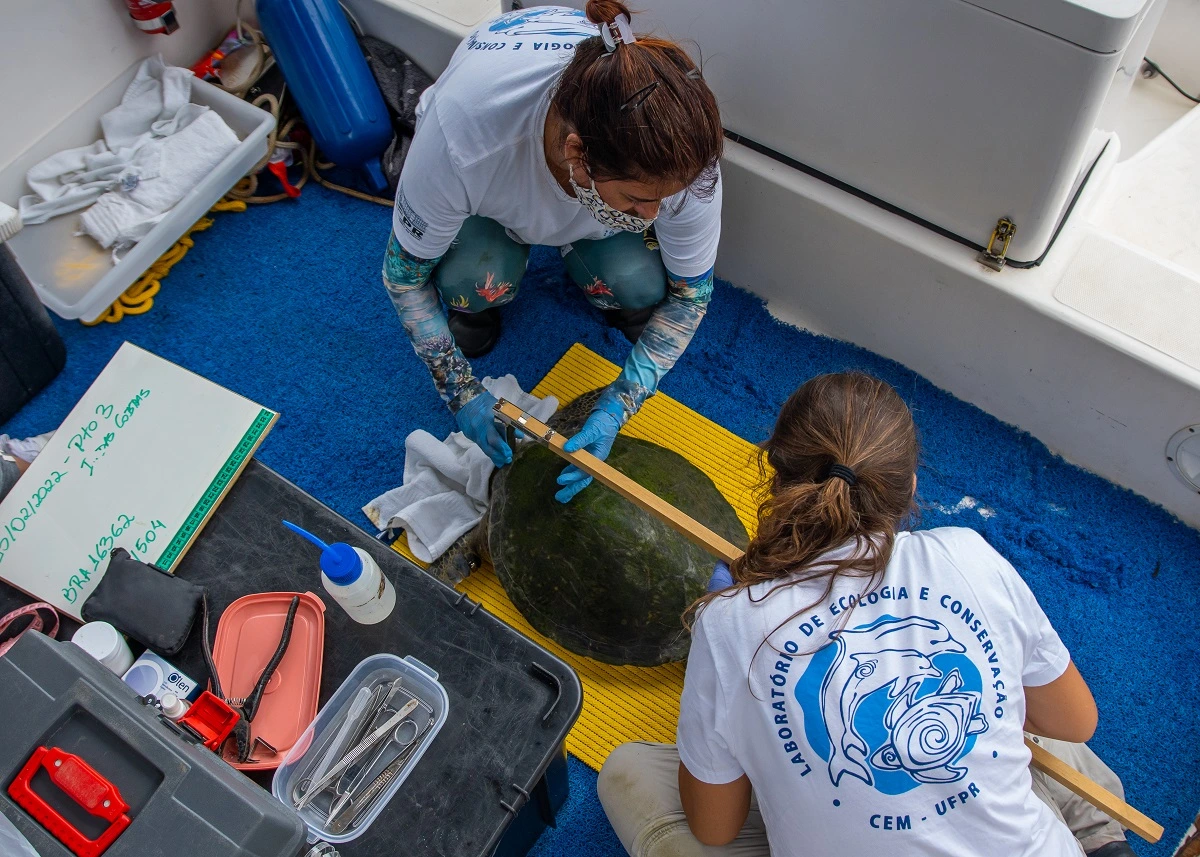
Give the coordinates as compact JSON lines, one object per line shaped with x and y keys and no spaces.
{"x":630,"y":322}
{"x":1120,"y":848}
{"x":475,"y":332}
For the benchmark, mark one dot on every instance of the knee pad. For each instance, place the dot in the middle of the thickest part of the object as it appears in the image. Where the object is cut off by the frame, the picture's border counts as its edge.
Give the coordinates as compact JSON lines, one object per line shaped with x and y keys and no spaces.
{"x":477,"y":295}
{"x":615,"y":770}
{"x":483,"y":269}
{"x":618,"y":272}
{"x":637,"y":282}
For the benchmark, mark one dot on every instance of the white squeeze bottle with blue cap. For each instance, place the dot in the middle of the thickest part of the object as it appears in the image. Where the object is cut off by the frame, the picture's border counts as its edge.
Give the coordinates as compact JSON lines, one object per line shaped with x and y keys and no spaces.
{"x":353,"y":579}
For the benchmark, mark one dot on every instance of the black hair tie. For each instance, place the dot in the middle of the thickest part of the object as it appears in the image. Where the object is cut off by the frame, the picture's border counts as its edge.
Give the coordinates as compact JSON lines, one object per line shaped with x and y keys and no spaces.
{"x":841,"y":471}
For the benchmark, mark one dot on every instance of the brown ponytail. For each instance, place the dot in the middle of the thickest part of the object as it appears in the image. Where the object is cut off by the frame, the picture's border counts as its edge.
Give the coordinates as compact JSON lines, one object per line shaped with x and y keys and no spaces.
{"x":606,"y":11}
{"x":848,"y":419}
{"x":642,"y":111}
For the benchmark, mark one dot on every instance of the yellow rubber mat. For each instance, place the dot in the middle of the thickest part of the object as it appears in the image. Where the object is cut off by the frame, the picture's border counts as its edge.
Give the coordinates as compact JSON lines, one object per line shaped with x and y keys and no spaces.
{"x":628,"y":703}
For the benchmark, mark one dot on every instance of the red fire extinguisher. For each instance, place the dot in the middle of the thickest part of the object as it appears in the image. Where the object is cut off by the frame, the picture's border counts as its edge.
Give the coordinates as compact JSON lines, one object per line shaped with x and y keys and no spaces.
{"x":153,"y":16}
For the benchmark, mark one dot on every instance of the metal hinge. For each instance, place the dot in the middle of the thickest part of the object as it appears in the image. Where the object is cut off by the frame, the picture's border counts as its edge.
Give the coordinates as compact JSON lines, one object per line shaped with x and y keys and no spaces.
{"x":993,"y":256}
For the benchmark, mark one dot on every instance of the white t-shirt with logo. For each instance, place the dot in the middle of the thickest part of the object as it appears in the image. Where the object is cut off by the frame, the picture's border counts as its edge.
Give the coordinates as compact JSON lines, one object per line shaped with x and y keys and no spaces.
{"x":478,"y":149}
{"x":900,"y":735}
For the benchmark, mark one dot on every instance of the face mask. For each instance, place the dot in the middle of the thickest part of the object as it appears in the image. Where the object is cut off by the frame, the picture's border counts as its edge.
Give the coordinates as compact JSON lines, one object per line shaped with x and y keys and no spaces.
{"x":604,"y":213}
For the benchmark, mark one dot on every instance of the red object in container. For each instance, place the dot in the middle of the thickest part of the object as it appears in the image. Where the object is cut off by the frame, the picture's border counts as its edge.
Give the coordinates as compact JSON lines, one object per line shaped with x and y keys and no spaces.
{"x":211,"y":719}
{"x":247,"y":637}
{"x":84,"y":785}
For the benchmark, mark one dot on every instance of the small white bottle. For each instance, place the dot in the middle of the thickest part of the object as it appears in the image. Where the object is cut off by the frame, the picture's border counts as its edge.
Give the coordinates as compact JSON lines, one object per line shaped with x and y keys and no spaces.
{"x":353,"y":579}
{"x":104,"y":643}
{"x":173,"y":706}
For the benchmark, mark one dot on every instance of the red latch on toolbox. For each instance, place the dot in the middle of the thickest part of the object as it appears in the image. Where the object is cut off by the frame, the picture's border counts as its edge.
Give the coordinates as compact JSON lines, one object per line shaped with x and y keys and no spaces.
{"x":84,"y":785}
{"x":211,"y":719}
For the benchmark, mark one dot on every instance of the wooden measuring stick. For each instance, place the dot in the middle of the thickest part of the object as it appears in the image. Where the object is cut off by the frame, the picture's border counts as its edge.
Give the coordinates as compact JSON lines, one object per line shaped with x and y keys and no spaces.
{"x":691,"y":529}
{"x":682,"y":523}
{"x":1093,"y":793}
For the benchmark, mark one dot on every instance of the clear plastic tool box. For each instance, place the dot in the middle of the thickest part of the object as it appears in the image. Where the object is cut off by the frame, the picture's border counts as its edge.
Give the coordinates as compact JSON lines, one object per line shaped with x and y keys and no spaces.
{"x":331,"y":736}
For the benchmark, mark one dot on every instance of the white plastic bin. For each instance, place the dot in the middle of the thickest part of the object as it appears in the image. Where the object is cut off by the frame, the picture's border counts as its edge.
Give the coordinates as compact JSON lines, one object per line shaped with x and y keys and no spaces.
{"x":73,"y":275}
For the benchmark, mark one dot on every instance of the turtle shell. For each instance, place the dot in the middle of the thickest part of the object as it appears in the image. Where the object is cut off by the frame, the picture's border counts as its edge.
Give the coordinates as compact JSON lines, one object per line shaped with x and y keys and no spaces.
{"x":598,"y":575}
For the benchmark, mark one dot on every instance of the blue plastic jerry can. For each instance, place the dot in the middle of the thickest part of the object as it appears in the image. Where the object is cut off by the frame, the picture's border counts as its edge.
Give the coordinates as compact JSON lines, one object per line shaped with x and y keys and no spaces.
{"x":331,"y":82}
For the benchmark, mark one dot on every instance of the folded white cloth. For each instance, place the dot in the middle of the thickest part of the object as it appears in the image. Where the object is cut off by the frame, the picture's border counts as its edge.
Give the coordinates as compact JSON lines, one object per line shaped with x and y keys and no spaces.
{"x":155,"y":109}
{"x":74,"y":179}
{"x":123,"y":217}
{"x":445,"y":490}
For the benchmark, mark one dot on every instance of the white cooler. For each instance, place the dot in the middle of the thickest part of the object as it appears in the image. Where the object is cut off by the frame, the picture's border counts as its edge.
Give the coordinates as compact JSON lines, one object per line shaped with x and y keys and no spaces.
{"x":957,"y":113}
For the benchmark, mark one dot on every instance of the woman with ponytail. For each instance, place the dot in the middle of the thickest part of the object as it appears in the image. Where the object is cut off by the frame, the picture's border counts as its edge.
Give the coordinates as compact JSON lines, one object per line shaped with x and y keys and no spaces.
{"x":855,"y":690}
{"x":560,"y":127}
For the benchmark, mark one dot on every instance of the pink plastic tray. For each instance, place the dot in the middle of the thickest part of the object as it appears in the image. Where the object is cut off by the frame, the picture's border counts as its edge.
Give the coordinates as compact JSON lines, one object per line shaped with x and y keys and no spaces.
{"x":247,"y":636}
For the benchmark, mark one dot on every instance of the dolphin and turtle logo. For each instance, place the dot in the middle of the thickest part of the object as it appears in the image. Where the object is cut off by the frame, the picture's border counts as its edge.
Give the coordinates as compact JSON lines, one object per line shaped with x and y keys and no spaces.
{"x":929,"y":734}
{"x":889,"y":712}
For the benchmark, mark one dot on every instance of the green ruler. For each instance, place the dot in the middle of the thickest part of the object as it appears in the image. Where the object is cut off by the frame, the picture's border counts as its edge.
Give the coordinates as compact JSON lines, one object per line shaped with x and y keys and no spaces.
{"x":216,"y":489}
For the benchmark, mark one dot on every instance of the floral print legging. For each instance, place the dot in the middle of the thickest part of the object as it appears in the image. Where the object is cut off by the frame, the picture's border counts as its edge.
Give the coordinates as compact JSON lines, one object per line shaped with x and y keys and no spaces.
{"x":483,"y":269}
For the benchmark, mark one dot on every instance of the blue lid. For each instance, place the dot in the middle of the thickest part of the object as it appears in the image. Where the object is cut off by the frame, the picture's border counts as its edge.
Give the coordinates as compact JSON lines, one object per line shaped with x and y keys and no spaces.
{"x":339,"y":561}
{"x":341,"y":564}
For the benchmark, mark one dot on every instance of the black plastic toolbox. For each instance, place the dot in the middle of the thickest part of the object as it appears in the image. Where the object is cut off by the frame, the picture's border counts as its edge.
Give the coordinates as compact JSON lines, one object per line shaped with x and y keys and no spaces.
{"x":178,"y":797}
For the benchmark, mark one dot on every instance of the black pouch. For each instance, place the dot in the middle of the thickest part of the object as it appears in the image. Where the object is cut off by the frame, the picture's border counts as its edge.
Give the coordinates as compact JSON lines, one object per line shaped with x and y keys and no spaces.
{"x":123,"y":597}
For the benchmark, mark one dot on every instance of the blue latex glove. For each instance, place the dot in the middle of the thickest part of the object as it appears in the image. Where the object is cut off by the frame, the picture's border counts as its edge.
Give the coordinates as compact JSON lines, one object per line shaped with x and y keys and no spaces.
{"x":596,"y":436}
{"x":721,"y":578}
{"x":477,"y":421}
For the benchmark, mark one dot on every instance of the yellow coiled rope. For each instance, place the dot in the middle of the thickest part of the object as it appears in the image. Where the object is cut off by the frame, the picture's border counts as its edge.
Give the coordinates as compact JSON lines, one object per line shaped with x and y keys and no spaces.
{"x":139,"y":297}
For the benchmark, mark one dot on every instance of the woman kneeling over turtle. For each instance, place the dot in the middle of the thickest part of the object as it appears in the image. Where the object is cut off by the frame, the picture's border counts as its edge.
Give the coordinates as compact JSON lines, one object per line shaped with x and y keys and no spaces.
{"x":871,"y":687}
{"x":552,"y":126}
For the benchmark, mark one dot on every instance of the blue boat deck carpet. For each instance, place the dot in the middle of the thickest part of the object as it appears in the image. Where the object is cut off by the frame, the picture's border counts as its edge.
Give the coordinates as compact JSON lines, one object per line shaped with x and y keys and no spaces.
{"x":284,"y":304}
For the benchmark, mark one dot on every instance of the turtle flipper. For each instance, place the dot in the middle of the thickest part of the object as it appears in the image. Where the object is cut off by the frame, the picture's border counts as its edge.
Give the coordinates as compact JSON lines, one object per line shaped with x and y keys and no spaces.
{"x":570,"y":418}
{"x":977,"y":725}
{"x":886,"y":758}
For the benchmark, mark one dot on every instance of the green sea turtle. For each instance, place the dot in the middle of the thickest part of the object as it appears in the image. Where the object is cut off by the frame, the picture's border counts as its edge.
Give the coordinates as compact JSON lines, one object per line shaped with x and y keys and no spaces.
{"x":597,"y":575}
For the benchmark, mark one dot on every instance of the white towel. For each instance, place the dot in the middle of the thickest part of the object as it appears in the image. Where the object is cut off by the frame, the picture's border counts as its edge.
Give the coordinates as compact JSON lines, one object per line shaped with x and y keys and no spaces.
{"x":27,"y":448}
{"x":445,"y":490}
{"x":74,"y":179}
{"x":154,"y":109}
{"x":157,"y":103}
{"x":123,"y":217}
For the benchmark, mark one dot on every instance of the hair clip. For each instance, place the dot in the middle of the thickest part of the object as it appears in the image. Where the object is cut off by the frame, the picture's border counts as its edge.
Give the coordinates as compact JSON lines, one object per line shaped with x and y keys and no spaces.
{"x":639,"y":98}
{"x":619,"y":32}
{"x":624,"y":28}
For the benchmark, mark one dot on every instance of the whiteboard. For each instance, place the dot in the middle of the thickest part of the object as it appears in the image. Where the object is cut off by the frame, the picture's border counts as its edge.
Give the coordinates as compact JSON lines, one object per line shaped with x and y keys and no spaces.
{"x":140,"y":463}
